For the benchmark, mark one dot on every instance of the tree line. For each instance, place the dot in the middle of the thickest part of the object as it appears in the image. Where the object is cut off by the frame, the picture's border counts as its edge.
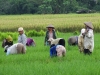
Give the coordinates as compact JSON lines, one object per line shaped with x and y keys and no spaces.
{"x":47,"y":6}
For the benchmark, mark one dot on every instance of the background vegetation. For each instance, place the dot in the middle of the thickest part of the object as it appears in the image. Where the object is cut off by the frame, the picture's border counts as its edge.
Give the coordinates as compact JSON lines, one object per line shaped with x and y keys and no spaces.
{"x":62,"y":22}
{"x":35,"y":25}
{"x":15,"y":35}
{"x":47,"y":6}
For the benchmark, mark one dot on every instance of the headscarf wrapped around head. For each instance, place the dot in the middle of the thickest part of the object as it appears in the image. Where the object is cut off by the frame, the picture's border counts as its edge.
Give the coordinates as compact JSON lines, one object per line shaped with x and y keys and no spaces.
{"x":9,"y":38}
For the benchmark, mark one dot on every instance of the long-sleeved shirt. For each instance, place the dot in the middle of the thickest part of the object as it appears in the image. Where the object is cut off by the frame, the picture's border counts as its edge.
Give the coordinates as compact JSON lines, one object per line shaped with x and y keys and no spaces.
{"x":22,"y":39}
{"x":89,"y":40}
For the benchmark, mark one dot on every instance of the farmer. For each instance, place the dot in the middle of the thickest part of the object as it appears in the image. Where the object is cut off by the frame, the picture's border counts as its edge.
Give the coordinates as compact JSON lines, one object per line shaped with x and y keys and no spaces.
{"x":7,"y":41}
{"x":30,"y":42}
{"x":22,"y":37}
{"x":15,"y":49}
{"x":49,"y":34}
{"x":81,"y":41}
{"x":58,"y":41}
{"x":57,"y":50}
{"x":88,"y":38}
{"x":73,"y":40}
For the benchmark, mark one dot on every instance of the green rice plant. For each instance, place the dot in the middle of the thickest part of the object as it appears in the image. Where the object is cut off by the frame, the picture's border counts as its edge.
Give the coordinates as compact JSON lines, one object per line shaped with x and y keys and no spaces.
{"x":76,"y":33}
{"x":37,"y":60}
{"x":32,"y":33}
{"x":15,"y":36}
{"x":3,"y":36}
{"x":42,"y":33}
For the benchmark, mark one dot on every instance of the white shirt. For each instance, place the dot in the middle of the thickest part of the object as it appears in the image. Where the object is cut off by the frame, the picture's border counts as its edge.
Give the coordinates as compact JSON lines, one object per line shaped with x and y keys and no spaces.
{"x":89,"y":40}
{"x":55,"y":41}
{"x":12,"y":49}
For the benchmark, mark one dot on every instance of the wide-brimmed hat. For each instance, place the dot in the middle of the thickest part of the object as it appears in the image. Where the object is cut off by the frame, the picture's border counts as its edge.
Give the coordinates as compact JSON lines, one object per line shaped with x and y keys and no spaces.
{"x":50,"y":26}
{"x":89,"y":24}
{"x":20,"y":29}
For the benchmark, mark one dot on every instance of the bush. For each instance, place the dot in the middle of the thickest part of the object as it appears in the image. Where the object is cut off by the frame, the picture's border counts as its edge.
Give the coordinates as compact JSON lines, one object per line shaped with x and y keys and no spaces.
{"x":14,"y":35}
{"x":76,"y":33}
{"x":35,"y":33}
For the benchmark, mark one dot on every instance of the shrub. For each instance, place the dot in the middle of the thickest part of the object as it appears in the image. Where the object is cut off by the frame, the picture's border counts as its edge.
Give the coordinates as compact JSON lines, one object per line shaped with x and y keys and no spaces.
{"x":14,"y":35}
{"x":76,"y":33}
{"x":35,"y":33}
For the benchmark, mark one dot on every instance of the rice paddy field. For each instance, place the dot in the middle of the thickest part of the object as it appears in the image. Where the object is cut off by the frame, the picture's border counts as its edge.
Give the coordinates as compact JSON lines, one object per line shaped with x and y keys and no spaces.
{"x":62,"y":22}
{"x":37,"y":60}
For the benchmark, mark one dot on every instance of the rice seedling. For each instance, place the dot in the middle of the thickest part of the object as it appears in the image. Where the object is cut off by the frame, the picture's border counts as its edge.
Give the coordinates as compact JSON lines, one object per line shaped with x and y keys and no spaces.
{"x":37,"y":60}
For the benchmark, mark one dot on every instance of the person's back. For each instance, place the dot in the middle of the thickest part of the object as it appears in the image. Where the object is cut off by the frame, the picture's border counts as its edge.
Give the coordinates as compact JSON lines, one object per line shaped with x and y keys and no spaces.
{"x":57,"y":50}
{"x":30,"y":42}
{"x":12,"y":49}
{"x":61,"y":51}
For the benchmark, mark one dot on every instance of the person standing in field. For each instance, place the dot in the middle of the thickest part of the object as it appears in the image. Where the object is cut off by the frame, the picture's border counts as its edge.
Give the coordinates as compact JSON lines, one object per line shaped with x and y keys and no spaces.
{"x":22,"y":37}
{"x":50,"y":33}
{"x":81,"y":41}
{"x":88,"y":38}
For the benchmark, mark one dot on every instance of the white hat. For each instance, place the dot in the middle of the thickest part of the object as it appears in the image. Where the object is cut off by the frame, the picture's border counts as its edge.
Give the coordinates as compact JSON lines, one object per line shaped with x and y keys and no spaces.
{"x":20,"y":29}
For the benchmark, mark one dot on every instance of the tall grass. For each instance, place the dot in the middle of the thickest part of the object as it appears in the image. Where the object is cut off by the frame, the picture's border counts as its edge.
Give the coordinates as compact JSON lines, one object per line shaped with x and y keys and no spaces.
{"x":62,"y":22}
{"x":37,"y":61}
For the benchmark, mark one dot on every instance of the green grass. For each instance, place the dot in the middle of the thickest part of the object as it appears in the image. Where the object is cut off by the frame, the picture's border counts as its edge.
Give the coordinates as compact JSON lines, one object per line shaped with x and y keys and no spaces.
{"x":37,"y":61}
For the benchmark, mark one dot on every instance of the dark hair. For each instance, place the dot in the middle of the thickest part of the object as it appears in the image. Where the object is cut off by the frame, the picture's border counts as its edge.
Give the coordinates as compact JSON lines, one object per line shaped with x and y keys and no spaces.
{"x":61,"y":42}
{"x":52,"y":45}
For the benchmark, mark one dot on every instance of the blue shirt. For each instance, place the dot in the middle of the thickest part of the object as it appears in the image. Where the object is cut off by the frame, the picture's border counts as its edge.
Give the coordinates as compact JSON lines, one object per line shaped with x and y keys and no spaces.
{"x":53,"y":51}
